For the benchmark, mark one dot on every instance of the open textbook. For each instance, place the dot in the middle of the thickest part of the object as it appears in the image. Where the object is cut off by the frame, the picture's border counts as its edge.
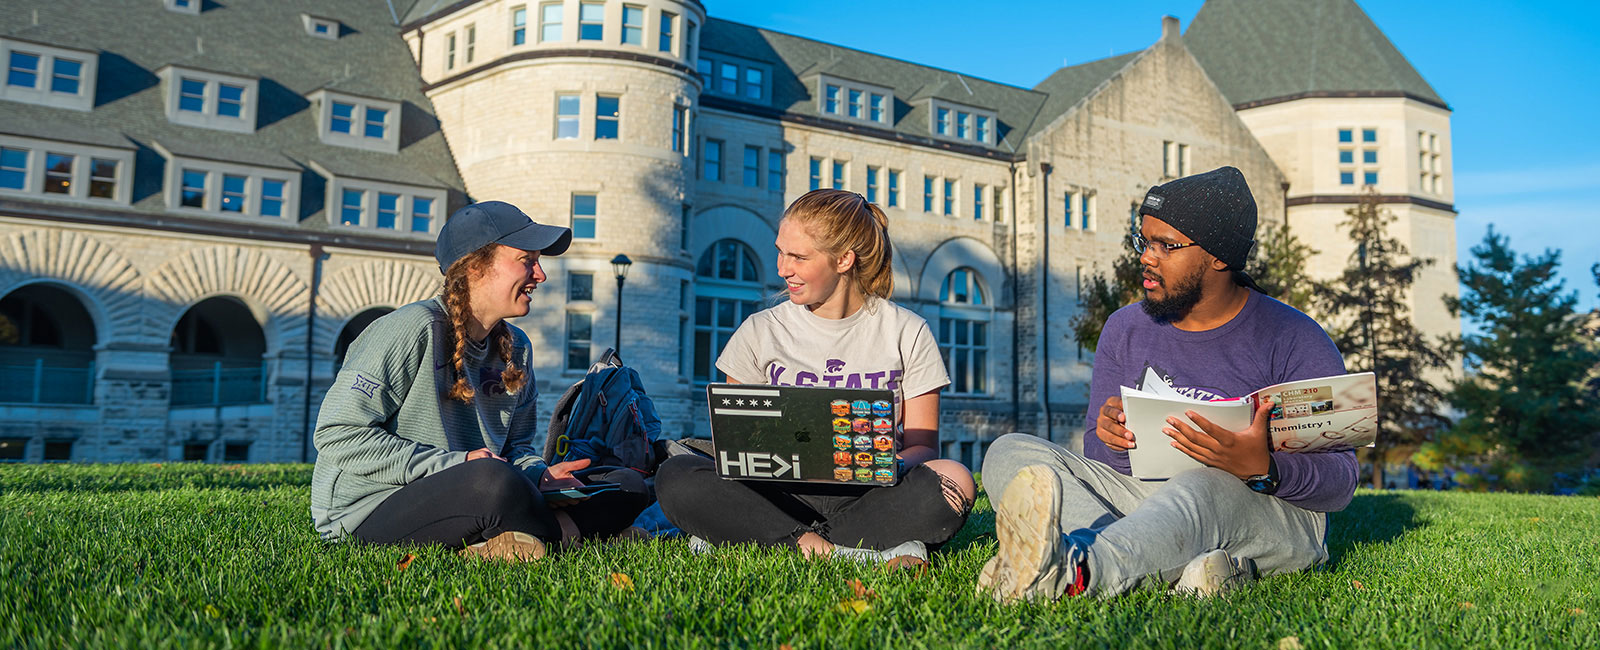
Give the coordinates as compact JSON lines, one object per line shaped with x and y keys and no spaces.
{"x":1339,"y":412}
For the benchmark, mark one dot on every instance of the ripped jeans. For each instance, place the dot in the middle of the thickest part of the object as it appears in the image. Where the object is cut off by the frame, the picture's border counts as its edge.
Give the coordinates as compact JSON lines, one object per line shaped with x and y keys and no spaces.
{"x":770,"y":513}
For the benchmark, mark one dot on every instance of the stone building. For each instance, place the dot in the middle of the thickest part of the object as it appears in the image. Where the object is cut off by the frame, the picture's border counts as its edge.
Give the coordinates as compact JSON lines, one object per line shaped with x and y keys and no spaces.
{"x":194,"y":227}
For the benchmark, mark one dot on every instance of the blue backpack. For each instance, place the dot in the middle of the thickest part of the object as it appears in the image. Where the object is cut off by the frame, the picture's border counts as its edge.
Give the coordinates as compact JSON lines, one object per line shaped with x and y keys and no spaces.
{"x":606,"y":418}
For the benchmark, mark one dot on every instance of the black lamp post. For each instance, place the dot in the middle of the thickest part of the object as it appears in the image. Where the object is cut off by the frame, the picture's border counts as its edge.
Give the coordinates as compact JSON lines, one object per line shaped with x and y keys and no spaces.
{"x":620,"y":264}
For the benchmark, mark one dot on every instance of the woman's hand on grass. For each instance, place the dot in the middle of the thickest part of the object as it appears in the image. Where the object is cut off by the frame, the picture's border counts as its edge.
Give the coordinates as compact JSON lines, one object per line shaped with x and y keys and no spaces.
{"x":559,"y":475}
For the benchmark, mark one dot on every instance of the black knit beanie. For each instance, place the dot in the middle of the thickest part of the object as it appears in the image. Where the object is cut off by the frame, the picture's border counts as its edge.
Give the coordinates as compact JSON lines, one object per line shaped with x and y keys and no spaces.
{"x":1215,"y":209}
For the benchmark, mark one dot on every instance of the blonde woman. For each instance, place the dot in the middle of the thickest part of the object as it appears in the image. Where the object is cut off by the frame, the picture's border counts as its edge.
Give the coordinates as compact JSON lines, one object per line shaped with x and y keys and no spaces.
{"x":834,"y":257}
{"x":426,"y":435}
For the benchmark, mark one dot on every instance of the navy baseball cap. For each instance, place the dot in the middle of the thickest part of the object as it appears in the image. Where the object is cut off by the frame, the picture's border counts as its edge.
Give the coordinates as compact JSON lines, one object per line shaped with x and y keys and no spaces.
{"x":496,"y":222}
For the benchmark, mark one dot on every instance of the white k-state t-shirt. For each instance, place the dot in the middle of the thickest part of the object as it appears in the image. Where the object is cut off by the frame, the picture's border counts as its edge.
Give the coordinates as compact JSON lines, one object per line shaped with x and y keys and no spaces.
{"x":882,"y":345}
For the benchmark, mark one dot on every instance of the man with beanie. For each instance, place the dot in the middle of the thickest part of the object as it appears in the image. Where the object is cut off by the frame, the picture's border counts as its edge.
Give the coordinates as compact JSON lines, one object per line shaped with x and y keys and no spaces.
{"x":1071,"y":524}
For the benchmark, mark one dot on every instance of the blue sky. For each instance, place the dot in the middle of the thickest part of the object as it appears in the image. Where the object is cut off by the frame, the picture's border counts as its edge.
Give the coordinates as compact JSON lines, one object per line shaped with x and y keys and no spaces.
{"x":1516,"y":75}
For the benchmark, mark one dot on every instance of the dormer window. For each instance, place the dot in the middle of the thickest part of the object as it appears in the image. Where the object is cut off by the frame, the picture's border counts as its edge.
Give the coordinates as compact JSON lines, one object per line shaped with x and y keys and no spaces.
{"x":320,"y":27}
{"x":47,"y":75}
{"x":844,"y":98}
{"x":210,"y":100}
{"x":730,"y":77}
{"x":360,"y":122}
{"x":381,"y":205}
{"x":262,"y":189}
{"x":191,"y":7}
{"x":959,"y":122}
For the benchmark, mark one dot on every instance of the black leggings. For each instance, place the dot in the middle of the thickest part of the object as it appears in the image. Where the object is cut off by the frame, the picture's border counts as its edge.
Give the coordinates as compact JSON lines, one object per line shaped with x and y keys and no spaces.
{"x":920,"y":507}
{"x":479,"y":499}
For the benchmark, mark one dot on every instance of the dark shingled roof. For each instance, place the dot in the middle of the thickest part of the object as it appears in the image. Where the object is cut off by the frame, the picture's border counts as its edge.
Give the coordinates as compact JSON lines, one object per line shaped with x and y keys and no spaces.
{"x":1070,"y":85}
{"x":793,"y":58}
{"x":263,"y":40}
{"x":1260,"y":50}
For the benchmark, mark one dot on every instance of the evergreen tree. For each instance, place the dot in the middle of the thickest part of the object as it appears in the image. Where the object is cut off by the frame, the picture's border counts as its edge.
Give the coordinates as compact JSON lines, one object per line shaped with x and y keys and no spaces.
{"x":1279,"y":267}
{"x":1526,"y":412}
{"x":1370,"y":320}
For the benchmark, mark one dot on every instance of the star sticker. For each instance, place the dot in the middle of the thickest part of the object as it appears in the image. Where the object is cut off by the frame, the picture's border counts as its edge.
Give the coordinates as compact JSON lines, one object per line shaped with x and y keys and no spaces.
{"x":769,"y":402}
{"x":726,"y":402}
{"x":740,"y":402}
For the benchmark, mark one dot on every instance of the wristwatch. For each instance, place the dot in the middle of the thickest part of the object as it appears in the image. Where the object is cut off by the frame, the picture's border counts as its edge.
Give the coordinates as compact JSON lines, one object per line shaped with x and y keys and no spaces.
{"x":1265,"y":483}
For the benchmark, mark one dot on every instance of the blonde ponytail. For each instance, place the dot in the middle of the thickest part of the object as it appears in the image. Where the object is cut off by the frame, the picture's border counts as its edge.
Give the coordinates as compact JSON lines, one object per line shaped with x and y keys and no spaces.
{"x":841,"y":221}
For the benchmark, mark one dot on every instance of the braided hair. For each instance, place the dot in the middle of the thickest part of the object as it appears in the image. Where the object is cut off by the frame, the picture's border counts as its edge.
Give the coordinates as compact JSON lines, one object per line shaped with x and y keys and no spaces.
{"x":457,"y":300}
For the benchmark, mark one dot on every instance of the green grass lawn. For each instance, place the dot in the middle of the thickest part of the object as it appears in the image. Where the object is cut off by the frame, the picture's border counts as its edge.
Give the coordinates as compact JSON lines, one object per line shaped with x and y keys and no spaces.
{"x":196,"y":555}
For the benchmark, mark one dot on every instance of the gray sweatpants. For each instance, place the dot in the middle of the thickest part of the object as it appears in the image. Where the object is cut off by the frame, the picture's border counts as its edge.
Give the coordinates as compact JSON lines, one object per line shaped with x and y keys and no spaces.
{"x":1144,"y":532}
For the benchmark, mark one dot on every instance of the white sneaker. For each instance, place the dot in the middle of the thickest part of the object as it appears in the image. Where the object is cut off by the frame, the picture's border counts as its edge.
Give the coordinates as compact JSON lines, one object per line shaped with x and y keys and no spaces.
{"x":911,"y":555}
{"x":1035,"y":561}
{"x":1213,"y":573}
{"x":699,"y":546}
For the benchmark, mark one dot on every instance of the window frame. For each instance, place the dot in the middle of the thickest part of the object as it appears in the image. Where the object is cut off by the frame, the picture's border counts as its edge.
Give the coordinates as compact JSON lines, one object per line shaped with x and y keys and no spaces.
{"x":545,"y":23}
{"x":969,"y":315}
{"x":853,"y":103}
{"x":573,"y":216}
{"x":615,"y":119}
{"x":49,"y":57}
{"x":209,"y":116}
{"x":956,"y":122}
{"x":35,"y":154}
{"x":360,"y":119}
{"x":370,"y":191}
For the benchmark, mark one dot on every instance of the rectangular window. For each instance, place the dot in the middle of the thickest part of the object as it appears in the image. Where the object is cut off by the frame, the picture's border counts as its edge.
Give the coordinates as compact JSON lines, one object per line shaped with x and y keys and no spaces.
{"x":607,"y":116}
{"x":472,"y":41}
{"x":838,"y":174}
{"x":14,"y":169}
{"x":831,"y":100}
{"x":943,"y":123}
{"x":1069,"y":208}
{"x":978,"y":196}
{"x":877,"y":108}
{"x":999,"y":204}
{"x":1369,"y":135}
{"x":1369,"y":156}
{"x":376,"y":122}
{"x":350,"y":207}
{"x":1088,"y":211}
{"x":567,"y":117}
{"x":519,"y":26}
{"x":664,"y":43}
{"x":962,"y":118}
{"x":271,"y":198}
{"x":23,"y":70}
{"x":775,"y":170}
{"x":894,"y":188}
{"x":192,"y":95}
{"x":856,"y":104}
{"x":236,"y":452}
{"x":192,"y":192}
{"x":580,"y":334}
{"x":632,"y":25}
{"x":752,"y":83}
{"x":230,"y":100}
{"x":102,"y":178}
{"x":585,"y":210}
{"x":550,"y":22}
{"x":233,"y":193}
{"x":752,"y":166}
{"x":450,"y":51}
{"x":816,"y":174}
{"x":388,"y":211}
{"x":872,"y":184}
{"x":683,"y":232}
{"x":688,"y":41}
{"x":949,"y":197}
{"x":983,"y":128}
{"x":729,"y":79}
{"x":343,"y":118}
{"x":1347,"y":157}
{"x":1369,"y":178}
{"x":58,"y":451}
{"x":65,"y":76}
{"x":58,"y":173}
{"x":680,"y":117}
{"x":711,"y":165}
{"x":1169,"y":158}
{"x":421,"y":214}
{"x":591,"y":21}
{"x":927,"y":194}
{"x":703,"y":69}
{"x":1347,"y":178}
{"x":13,"y":449}
{"x":580,"y":287}
{"x":1346,"y":135}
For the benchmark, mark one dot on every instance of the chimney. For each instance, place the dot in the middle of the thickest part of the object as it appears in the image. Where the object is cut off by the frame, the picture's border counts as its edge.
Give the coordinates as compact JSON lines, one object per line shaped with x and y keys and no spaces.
{"x":1169,"y":27}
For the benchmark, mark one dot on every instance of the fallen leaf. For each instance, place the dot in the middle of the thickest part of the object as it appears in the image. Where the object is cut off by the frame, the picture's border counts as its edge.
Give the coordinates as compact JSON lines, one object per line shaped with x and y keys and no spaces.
{"x":1357,"y":584}
{"x":860,"y":590}
{"x":1465,"y":605}
{"x":430,"y":619}
{"x":460,"y":609}
{"x":1575,"y":611}
{"x":1289,"y":643}
{"x":785,"y":646}
{"x":854,"y":606}
{"x":622,"y":581}
{"x":213,"y":612}
{"x":1534,"y":519}
{"x":405,"y":562}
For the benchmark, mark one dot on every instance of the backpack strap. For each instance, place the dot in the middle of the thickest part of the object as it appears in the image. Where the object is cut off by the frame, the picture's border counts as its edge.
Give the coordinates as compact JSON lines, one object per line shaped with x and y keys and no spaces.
{"x":557,"y":431}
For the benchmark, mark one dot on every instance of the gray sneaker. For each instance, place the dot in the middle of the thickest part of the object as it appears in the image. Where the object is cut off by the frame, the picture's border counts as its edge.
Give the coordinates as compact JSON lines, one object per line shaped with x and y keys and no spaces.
{"x":700,"y":546}
{"x":1035,"y":561}
{"x":912,"y":555}
{"x":1215,"y":572}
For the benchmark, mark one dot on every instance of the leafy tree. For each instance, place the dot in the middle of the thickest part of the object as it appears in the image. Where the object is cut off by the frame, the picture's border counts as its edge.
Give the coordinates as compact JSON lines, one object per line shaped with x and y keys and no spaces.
{"x":1279,"y":267}
{"x":1525,"y":409}
{"x":1371,"y":324}
{"x":1100,"y":296}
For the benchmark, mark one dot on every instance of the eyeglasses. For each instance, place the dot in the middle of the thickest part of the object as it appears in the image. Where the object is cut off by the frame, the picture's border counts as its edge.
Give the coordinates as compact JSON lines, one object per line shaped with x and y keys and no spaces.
{"x":1159,"y":250}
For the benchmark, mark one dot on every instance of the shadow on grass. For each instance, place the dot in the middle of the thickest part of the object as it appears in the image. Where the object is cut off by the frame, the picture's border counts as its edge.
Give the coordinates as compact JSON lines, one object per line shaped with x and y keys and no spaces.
{"x":110,"y":478}
{"x":1369,"y":519}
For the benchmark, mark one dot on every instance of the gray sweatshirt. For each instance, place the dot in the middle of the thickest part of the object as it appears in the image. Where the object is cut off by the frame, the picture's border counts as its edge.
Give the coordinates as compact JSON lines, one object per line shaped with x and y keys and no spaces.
{"x":386,"y":421}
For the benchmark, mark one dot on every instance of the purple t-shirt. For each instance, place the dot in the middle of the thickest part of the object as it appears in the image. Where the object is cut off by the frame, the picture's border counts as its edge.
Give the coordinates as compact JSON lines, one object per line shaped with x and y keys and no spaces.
{"x":1267,"y":343}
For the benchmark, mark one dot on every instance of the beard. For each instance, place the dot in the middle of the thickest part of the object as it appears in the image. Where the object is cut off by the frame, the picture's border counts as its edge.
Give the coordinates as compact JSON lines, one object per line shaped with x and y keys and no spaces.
{"x":1181,"y":296}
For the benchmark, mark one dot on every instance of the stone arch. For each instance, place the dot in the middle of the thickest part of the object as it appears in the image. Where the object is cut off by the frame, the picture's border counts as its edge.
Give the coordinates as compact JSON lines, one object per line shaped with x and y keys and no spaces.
{"x":267,"y":286}
{"x":728,"y":221}
{"x":352,"y":290}
{"x":96,"y":273}
{"x":958,"y":252}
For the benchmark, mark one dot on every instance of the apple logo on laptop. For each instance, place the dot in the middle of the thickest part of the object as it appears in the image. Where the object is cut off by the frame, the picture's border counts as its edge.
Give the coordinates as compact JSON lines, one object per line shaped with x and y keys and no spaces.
{"x":802,"y":435}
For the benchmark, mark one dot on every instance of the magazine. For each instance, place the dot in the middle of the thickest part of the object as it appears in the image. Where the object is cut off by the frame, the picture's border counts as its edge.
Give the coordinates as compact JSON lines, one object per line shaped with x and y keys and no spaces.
{"x":1327,"y":413}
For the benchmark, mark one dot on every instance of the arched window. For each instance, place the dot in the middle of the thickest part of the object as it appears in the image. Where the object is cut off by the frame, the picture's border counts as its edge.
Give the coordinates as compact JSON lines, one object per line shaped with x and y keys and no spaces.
{"x":216,"y":355}
{"x":964,"y":316}
{"x":46,"y":347}
{"x":727,"y":291}
{"x":353,"y":329}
